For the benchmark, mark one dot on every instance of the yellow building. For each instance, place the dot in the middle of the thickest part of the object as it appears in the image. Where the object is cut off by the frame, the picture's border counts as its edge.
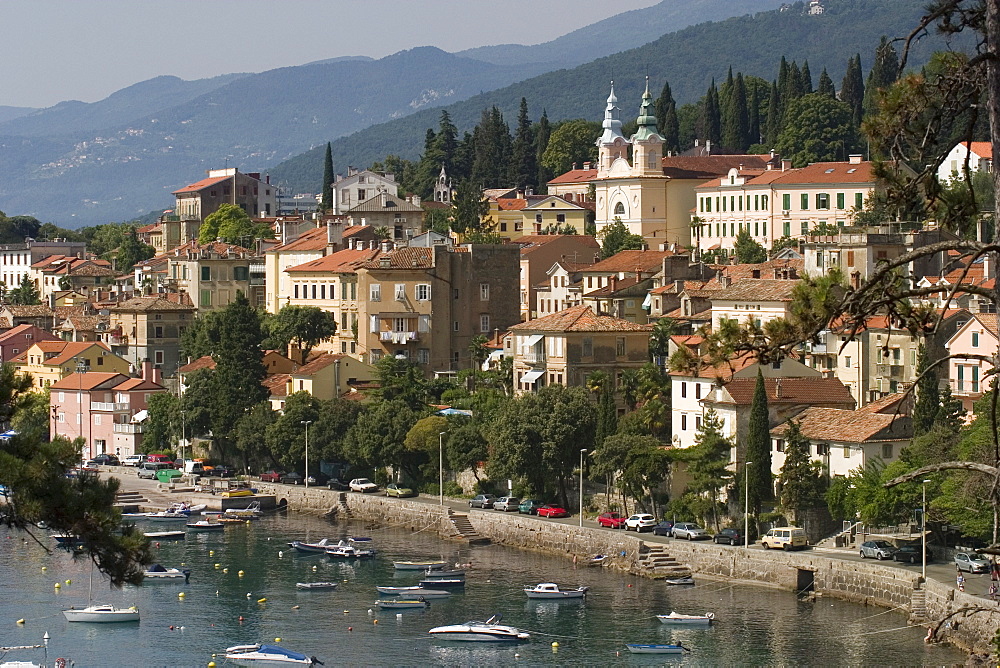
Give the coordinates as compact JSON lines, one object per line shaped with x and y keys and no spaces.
{"x":325,"y":377}
{"x":552,"y":215}
{"x":50,"y":361}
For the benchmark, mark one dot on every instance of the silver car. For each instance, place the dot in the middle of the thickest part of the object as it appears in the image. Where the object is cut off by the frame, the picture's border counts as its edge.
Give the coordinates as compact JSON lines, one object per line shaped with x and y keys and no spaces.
{"x":507,"y":504}
{"x":689,"y":530}
{"x":877,"y":549}
{"x":972,"y":562}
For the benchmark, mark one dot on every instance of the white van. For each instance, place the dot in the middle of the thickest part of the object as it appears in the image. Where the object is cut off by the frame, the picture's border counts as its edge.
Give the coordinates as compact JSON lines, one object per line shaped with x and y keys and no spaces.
{"x":193,"y":467}
{"x":784,"y":538}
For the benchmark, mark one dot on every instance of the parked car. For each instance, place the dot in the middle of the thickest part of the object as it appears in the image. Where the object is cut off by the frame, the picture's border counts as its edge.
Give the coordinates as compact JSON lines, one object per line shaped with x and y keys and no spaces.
{"x":911,"y":553}
{"x":338,"y":485}
{"x":507,"y":503}
{"x":972,"y":562}
{"x":482,"y":501}
{"x":784,"y":538}
{"x":134,"y":460}
{"x":877,"y":549}
{"x":318,"y":479}
{"x":398,"y":491}
{"x":611,"y":520}
{"x":664,"y":528}
{"x":293,"y":478}
{"x":148,"y":469}
{"x":730,"y":536}
{"x":552,"y":510}
{"x":159,"y":458}
{"x":363,"y":485}
{"x":529,"y":506}
{"x":689,"y":530}
{"x":640,"y":522}
{"x":271,"y":476}
{"x":221,"y":471}
{"x":105,"y":459}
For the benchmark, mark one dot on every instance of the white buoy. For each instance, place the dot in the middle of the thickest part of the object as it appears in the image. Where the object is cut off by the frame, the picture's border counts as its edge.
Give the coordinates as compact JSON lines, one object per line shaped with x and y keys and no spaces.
{"x":280,"y":554}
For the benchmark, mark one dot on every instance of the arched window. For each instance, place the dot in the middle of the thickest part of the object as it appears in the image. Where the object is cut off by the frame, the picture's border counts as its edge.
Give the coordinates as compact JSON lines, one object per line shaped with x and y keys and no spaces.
{"x":619,"y":209}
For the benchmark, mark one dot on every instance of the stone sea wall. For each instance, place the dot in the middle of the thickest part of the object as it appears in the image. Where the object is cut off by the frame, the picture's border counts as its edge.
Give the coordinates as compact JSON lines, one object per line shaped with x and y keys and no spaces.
{"x":860,"y":582}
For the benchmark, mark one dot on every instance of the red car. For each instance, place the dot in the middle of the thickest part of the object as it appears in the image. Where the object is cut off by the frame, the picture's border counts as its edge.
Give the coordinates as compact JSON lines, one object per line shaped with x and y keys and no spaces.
{"x":549,"y":510}
{"x":611,"y":520}
{"x":271,"y":476}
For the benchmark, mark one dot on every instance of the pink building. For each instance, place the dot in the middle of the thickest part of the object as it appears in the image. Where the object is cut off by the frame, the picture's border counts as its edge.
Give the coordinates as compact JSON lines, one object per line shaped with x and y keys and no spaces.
{"x":106,"y":409}
{"x":15,"y":341}
{"x":968,"y":377}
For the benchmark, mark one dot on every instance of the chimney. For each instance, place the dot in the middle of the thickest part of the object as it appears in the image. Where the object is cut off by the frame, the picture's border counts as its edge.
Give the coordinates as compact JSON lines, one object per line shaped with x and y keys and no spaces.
{"x":786,"y":165}
{"x":386,"y":245}
{"x":158,"y":375}
{"x":574,"y":167}
{"x":854,"y":159}
{"x":679,"y":285}
{"x":777,"y":389}
{"x":147,"y":369}
{"x":725,"y":281}
{"x":586,"y":166}
{"x":334,"y":235}
{"x":708,"y":147}
{"x":856,"y":280}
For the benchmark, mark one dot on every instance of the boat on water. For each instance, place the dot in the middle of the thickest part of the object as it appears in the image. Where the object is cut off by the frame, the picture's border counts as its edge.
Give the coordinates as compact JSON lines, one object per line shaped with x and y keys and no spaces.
{"x":205,"y":525}
{"x":268,"y":655}
{"x":64,"y":538}
{"x":158,"y":572}
{"x":402,"y":603}
{"x":656,"y":649}
{"x":686,"y":580}
{"x":550,"y":590}
{"x":677,"y":618}
{"x":166,"y":516}
{"x":597,"y":560}
{"x":165,"y":535}
{"x":316,"y":585}
{"x":413,"y":592}
{"x":431,"y":574}
{"x":453,"y":583}
{"x":317,"y":547}
{"x":489,"y":631}
{"x":101,"y":613}
{"x":251,"y":511}
{"x":418,"y":565}
{"x":186,"y":508}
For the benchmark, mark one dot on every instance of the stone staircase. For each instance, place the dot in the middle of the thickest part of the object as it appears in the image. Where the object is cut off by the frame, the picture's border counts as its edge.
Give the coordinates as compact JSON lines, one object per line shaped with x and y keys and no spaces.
{"x":657,"y":562}
{"x":918,"y":606}
{"x":130,"y":501}
{"x":464,"y":528}
{"x":341,"y":510}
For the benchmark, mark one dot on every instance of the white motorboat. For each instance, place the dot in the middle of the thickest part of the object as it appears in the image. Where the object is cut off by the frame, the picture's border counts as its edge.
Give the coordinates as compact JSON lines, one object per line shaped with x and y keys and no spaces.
{"x":158,"y":572}
{"x":412,"y":592}
{"x":101,"y":613}
{"x":267,"y":655}
{"x":676,"y":618}
{"x":251,"y":511}
{"x":489,"y":631}
{"x":205,"y":525}
{"x":431,"y":574}
{"x":64,"y":539}
{"x":316,"y":585}
{"x":166,"y":516}
{"x":443,"y":584}
{"x":302,"y":546}
{"x":348,"y":551}
{"x":402,"y":603}
{"x":551,"y":590}
{"x":684,"y":580}
{"x":165,"y":535}
{"x":656,"y":649}
{"x":418,"y":565}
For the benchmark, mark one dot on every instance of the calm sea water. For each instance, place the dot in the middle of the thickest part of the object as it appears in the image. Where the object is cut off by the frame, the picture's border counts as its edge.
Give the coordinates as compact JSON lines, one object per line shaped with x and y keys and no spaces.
{"x":756,"y":626}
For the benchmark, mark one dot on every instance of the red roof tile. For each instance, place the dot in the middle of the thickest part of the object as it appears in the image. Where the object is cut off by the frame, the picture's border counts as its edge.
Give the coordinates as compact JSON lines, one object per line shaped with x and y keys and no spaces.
{"x":579,"y":319}
{"x":793,"y":391}
{"x":344,"y":261}
{"x":201,"y":185}
{"x":647,"y":261}
{"x":575,"y":176}
{"x":833,"y":424}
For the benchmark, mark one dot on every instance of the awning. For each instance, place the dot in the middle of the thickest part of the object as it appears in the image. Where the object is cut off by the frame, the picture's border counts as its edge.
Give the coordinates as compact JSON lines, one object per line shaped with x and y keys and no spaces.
{"x":491,"y":359}
{"x":531,"y":376}
{"x":140,"y":416}
{"x":533,"y":339}
{"x":454,"y":411}
{"x":648,"y":301}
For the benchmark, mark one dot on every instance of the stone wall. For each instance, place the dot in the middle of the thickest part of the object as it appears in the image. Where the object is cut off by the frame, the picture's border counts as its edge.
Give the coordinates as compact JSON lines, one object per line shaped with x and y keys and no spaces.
{"x":971,"y":631}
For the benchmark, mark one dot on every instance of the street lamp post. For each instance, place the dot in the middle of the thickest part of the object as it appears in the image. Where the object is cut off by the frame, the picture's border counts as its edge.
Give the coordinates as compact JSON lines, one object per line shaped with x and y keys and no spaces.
{"x":307,"y":423}
{"x":441,"y":467}
{"x":582,"y":452}
{"x":923,"y":529}
{"x":746,"y":503}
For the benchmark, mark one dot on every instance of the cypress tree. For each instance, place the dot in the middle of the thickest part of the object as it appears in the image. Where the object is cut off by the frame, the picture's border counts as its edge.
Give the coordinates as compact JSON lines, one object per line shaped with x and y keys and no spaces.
{"x":883,"y":74}
{"x":774,"y":126}
{"x":666,"y":119}
{"x":734,"y":117}
{"x":826,"y":85}
{"x":753,"y":117}
{"x":806,"y":79}
{"x":711,"y":120}
{"x":327,"y":190}
{"x":802,"y":482}
{"x":607,"y":414}
{"x":542,"y":134}
{"x":852,"y":91}
{"x":928,"y":403}
{"x":782,"y":74}
{"x":525,"y":170}
{"x":758,"y":449}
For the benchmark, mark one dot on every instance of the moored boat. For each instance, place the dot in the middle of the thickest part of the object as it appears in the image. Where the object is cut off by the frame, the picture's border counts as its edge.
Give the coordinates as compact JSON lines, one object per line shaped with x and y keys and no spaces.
{"x":101,"y":613}
{"x":686,"y":580}
{"x":413,"y":592}
{"x":418,"y":565}
{"x":431,"y":574}
{"x":677,"y":618}
{"x":597,"y":560}
{"x":64,"y":539}
{"x":166,"y":516}
{"x":316,"y":585}
{"x":251,"y":511}
{"x":402,"y":603}
{"x":347,"y":550}
{"x":205,"y":525}
{"x":317,"y":547}
{"x":550,"y":590}
{"x":489,"y":631}
{"x":257,"y":655}
{"x":165,"y":535}
{"x":453,"y":583}
{"x":158,"y":572}
{"x":636,"y":648}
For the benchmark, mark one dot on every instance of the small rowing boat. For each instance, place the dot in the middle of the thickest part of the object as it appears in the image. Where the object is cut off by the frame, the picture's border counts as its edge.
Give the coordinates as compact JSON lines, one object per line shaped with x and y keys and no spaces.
{"x":444,"y":584}
{"x":656,"y":649}
{"x":417,"y":565}
{"x":686,"y":580}
{"x":413,"y":592}
{"x":316,"y":585}
{"x":165,"y":535}
{"x":402,"y":603}
{"x":205,"y":525}
{"x":443,"y":575}
{"x":677,"y":618}
{"x":302,"y":546}
{"x":550,"y":590}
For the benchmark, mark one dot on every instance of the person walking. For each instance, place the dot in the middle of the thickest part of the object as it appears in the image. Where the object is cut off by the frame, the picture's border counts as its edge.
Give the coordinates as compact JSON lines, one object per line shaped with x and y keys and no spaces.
{"x":960,"y":581}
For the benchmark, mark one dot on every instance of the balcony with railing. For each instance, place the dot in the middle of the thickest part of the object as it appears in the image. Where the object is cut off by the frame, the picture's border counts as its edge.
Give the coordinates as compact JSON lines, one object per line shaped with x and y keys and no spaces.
{"x":534,"y":356}
{"x":128,"y":428}
{"x":109,"y":407}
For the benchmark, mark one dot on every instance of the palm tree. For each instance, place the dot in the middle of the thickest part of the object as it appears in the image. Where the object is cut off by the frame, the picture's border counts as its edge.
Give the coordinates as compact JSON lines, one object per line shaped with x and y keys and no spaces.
{"x":596,"y":380}
{"x":382,"y":233}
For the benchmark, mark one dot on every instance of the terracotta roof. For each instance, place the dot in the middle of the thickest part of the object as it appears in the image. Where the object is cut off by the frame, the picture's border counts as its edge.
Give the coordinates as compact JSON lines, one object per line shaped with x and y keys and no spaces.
{"x":793,"y":391}
{"x":87,"y":381}
{"x":722,"y":372}
{"x":888,"y":404}
{"x":151,"y":303}
{"x":312,"y":239}
{"x":830,"y":172}
{"x":201,"y":185}
{"x":92,"y":268}
{"x":277,"y":384}
{"x":498,"y":193}
{"x":579,"y":319}
{"x":671,"y":287}
{"x":403,"y":258}
{"x":575,"y":176}
{"x":834,"y":424}
{"x":320,"y":362}
{"x":647,"y":261}
{"x":511,"y":204}
{"x":19,"y":330}
{"x":82,"y":323}
{"x":757,"y":289}
{"x":346,"y":260}
{"x":72,"y":349}
{"x":615,"y":287}
{"x":983,"y":149}
{"x":766,"y":269}
{"x":205,"y":362}
{"x":217,"y":247}
{"x":392,"y":203}
{"x":138,"y":384}
{"x":705,"y":167}
{"x":989,"y":321}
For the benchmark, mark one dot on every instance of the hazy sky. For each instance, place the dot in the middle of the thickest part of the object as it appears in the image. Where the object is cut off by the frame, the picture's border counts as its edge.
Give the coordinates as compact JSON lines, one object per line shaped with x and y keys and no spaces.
{"x":54,"y":50}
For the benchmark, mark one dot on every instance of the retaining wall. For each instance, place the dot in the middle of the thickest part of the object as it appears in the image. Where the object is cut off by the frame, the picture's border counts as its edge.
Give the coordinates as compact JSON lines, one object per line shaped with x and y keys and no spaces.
{"x":972,"y":631}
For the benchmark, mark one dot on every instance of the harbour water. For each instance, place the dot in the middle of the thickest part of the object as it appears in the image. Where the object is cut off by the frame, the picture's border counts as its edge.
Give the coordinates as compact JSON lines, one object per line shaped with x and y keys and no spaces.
{"x":755,"y":625}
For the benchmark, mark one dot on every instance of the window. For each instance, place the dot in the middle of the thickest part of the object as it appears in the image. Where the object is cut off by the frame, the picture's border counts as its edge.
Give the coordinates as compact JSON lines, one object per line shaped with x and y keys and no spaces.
{"x":206,"y":273}
{"x":422,"y":292}
{"x":423,"y":323}
{"x":697,"y":422}
{"x":455,"y":326}
{"x":343,"y":321}
{"x":206,"y":298}
{"x":375,"y":292}
{"x":684,"y":390}
{"x":314,"y":291}
{"x":708,"y":204}
{"x":97,"y":418}
{"x":804,"y":201}
{"x":779,"y":445}
{"x":822,"y":200}
{"x":484,"y":322}
{"x":423,"y":356}
{"x":786,"y":201}
{"x":684,"y":422}
{"x":484,"y":292}
{"x":241,"y":273}
{"x":847,"y":452}
{"x":157,"y":332}
{"x":322,"y":291}
{"x":560,"y":217}
{"x":858,"y":200}
{"x":697,"y":390}
{"x":823,"y":449}
{"x":840,"y":200}
{"x":975,"y":379}
{"x":847,"y":362}
{"x":400,"y":293}
{"x":157,"y":357}
{"x":538,"y":217}
{"x":887,"y":451}
{"x":725,"y":204}
{"x":619,"y":209}
{"x":961,"y":378}
{"x":620,"y":346}
{"x":805,"y":227}
{"x":373,"y":323}
{"x":787,"y":228}
{"x":588,"y":347}
{"x":975,"y":339}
